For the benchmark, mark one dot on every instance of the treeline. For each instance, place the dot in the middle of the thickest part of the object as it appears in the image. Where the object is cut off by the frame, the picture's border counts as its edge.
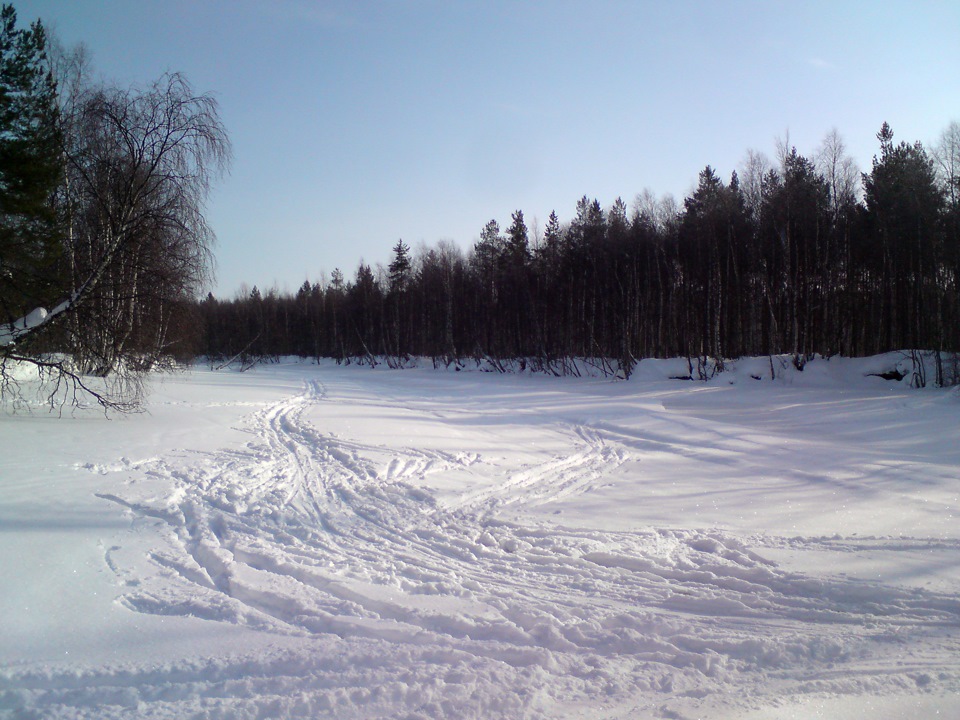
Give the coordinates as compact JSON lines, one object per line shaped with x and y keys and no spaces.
{"x":808,"y":256}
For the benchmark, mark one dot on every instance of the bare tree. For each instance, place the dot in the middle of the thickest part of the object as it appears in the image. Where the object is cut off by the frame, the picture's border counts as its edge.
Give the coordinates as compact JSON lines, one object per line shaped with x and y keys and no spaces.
{"x":645,"y":203}
{"x":946,"y":155}
{"x":661,"y":212}
{"x":783,"y":149}
{"x":839,"y":170}
{"x":138,"y":166}
{"x":753,"y":170}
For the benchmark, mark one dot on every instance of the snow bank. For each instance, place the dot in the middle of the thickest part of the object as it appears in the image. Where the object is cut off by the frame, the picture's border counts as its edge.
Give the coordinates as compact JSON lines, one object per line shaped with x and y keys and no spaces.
{"x":913,"y":368}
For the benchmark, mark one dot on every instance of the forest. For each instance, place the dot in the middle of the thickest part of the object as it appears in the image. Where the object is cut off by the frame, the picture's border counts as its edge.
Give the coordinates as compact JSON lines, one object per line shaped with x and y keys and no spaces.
{"x":105,"y":254}
{"x":802,"y":256}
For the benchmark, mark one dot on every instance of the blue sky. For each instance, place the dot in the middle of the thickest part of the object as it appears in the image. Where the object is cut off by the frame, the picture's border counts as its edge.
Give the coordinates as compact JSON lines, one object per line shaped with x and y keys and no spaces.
{"x":358,"y":123}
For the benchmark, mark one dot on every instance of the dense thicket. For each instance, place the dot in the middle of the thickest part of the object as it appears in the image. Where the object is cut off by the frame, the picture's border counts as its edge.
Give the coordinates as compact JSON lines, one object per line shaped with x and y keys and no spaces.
{"x":103,"y":242}
{"x":803,"y":258}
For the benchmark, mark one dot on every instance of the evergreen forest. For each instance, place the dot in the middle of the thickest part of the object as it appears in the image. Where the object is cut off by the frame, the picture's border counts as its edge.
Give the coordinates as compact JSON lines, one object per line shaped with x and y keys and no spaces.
{"x":803,"y":256}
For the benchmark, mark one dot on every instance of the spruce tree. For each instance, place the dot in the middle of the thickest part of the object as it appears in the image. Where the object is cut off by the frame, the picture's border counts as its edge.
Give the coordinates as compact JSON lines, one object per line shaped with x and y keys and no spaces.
{"x":400,"y":267}
{"x":517,"y":243}
{"x":30,"y":169}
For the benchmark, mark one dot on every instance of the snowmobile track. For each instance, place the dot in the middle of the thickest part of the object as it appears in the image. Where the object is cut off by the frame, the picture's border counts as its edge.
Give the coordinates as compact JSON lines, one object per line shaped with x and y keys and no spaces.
{"x":305,"y":534}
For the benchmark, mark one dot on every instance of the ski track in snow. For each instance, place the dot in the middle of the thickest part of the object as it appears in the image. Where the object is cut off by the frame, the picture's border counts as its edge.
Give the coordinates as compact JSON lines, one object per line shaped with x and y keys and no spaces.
{"x":412,"y":607}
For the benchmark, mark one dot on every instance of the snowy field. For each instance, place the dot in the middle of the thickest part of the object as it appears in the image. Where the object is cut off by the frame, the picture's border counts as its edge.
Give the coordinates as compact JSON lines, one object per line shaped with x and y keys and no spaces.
{"x":340,"y":542}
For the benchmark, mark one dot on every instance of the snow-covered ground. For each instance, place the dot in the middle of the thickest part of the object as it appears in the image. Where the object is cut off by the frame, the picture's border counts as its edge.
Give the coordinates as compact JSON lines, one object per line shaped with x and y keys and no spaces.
{"x":323,"y":541}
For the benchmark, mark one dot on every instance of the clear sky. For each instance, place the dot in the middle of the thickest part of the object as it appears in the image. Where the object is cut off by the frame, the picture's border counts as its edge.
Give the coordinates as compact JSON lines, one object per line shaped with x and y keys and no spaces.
{"x":357,"y":123}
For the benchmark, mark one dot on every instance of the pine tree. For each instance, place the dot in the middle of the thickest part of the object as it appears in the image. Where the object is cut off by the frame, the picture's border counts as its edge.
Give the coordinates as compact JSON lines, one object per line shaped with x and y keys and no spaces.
{"x":489,"y":248}
{"x":617,"y":219}
{"x":552,"y":235}
{"x":904,"y":205}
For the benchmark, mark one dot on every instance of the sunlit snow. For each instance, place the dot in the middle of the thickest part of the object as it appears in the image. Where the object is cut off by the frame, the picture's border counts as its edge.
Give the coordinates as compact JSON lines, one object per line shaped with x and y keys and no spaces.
{"x":325,"y":541}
